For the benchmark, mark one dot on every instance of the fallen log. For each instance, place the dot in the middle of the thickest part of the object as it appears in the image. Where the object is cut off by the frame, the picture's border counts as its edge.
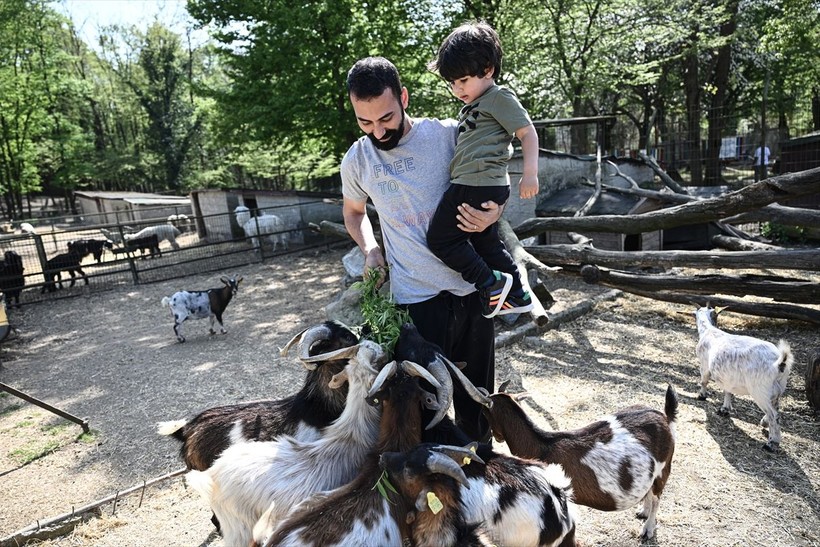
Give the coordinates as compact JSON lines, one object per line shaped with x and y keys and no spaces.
{"x":738,"y":244}
{"x":759,"y":309}
{"x":329,"y":228}
{"x":746,"y":199}
{"x":777,"y":288}
{"x":665,"y":178}
{"x":798,"y":259}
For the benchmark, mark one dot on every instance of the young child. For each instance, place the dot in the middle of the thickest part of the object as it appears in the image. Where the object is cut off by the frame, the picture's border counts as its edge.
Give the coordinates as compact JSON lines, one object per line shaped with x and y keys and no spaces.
{"x":469,"y":59}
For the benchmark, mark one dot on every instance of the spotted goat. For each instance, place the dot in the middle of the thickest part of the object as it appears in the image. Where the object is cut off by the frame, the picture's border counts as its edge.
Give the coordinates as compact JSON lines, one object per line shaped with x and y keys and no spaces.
{"x":209,"y":303}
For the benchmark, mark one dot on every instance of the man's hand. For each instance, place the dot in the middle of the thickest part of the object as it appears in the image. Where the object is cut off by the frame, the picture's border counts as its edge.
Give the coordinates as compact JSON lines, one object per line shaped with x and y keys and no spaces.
{"x":374,"y":260}
{"x":475,"y":220}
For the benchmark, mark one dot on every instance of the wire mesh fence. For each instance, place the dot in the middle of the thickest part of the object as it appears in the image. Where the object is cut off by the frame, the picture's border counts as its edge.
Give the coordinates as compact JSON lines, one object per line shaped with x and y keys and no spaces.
{"x":67,"y":260}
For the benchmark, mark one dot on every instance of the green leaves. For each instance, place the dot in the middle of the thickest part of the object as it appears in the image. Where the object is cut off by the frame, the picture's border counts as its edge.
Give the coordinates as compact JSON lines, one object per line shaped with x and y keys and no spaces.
{"x":380,"y":313}
{"x":383,"y":485}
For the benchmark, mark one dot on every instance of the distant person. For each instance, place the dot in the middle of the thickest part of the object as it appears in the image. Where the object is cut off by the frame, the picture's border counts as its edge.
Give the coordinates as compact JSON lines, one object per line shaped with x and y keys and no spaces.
{"x":469,"y":59}
{"x":761,"y":162}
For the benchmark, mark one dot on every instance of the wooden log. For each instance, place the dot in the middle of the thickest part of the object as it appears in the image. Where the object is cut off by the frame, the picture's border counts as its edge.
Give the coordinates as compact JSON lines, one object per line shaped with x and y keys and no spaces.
{"x":523,"y":259}
{"x":738,"y":244}
{"x":577,"y":310}
{"x":746,"y":199}
{"x":798,"y":259}
{"x":778,"y":288}
{"x":329,"y":228}
{"x":665,"y":178}
{"x":759,"y":309}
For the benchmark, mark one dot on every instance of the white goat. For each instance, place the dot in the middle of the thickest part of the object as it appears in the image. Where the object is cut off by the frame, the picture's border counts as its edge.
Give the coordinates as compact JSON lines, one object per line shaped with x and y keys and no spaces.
{"x":250,"y":478}
{"x":162,"y":231}
{"x":270,"y":225}
{"x":743,"y":365}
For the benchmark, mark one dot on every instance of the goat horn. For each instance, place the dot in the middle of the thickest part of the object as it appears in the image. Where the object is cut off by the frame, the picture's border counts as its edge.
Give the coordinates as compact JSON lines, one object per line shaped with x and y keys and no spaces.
{"x":445,"y":395}
{"x":343,"y":353}
{"x":472,"y":391}
{"x":310,"y":336}
{"x":413,"y":369}
{"x":283,"y":351}
{"x":387,"y":372}
{"x":504,"y":385}
{"x":457,"y":453}
{"x":439,"y":463}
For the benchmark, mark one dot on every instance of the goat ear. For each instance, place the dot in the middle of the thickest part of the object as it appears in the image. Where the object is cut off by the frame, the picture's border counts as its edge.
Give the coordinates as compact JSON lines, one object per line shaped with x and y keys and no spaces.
{"x":718,"y":310}
{"x":518,"y":397}
{"x":338,"y":380}
{"x":461,"y":364}
{"x":503,"y":387}
{"x":239,"y":280}
{"x":224,"y":280}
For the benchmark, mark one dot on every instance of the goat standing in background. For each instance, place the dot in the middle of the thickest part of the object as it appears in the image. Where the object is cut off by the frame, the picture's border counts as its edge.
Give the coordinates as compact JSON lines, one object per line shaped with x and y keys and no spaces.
{"x":201,"y":304}
{"x":68,"y":262}
{"x":93,"y":247}
{"x":614,"y":463}
{"x":743,"y":365}
{"x":164,"y":232}
{"x":270,"y":225}
{"x":12,"y":279}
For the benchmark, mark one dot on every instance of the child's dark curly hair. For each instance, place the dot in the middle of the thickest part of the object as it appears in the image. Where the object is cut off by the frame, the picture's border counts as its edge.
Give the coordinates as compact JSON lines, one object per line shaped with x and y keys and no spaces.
{"x":470,"y":50}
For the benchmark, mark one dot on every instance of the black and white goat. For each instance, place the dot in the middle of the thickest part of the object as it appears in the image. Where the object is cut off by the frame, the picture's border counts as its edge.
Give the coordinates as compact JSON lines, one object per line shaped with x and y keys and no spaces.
{"x":743,"y":365}
{"x":302,"y":415}
{"x":209,"y":303}
{"x":262,"y":225}
{"x":357,"y":513}
{"x":12,"y":280}
{"x":250,"y":478}
{"x":92,"y":247}
{"x":613,"y":463}
{"x":428,"y":478}
{"x":66,"y":262}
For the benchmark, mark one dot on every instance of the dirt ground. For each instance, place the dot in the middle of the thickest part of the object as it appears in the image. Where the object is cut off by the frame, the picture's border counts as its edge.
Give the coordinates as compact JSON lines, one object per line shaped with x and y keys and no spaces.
{"x":112,"y":358}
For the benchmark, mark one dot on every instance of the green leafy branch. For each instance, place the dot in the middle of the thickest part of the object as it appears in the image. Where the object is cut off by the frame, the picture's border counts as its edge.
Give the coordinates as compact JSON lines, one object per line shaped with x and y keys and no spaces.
{"x":383,"y":485}
{"x":380,"y":313}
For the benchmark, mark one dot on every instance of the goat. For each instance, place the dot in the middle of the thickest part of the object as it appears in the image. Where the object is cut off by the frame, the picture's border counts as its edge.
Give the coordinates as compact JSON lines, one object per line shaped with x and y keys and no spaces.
{"x":27,"y":228}
{"x":270,"y":225}
{"x":428,"y":478}
{"x":302,"y":415}
{"x":743,"y":365}
{"x":68,"y":262}
{"x":210,"y":303}
{"x":164,"y":232}
{"x":93,"y":247}
{"x":12,"y":279}
{"x":114,"y":236}
{"x":248,"y":477}
{"x":813,"y":381}
{"x":613,"y":463}
{"x":357,"y":513}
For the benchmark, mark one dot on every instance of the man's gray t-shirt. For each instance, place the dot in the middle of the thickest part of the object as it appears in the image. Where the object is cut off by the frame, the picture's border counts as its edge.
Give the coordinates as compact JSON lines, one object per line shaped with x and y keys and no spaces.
{"x":406,"y":185}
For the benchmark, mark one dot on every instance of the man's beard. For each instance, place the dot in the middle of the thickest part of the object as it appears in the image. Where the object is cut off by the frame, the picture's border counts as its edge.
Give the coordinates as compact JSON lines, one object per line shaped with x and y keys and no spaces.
{"x":393,"y":137}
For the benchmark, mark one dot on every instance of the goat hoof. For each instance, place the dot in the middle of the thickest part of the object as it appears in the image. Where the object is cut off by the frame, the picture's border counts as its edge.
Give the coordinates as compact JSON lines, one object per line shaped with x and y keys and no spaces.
{"x":701,"y":397}
{"x":640,"y":515}
{"x":723,"y":411}
{"x":771,"y":446}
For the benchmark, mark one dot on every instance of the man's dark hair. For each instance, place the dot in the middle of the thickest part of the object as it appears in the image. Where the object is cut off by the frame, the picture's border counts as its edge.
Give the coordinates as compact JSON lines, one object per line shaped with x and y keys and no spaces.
{"x":469,"y":50}
{"x":369,"y":77}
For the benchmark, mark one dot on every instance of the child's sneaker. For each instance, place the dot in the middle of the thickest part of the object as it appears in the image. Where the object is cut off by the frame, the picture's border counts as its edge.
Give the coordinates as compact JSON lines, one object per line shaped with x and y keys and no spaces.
{"x":516,"y":304}
{"x":492,"y":297}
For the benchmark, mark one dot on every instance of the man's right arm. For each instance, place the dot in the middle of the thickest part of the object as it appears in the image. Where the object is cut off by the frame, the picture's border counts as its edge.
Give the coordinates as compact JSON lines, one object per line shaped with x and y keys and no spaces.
{"x":361,"y":230}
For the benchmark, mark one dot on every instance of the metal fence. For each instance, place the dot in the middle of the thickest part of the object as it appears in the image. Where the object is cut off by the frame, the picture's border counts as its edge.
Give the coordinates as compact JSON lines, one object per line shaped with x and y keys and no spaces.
{"x":206,"y":243}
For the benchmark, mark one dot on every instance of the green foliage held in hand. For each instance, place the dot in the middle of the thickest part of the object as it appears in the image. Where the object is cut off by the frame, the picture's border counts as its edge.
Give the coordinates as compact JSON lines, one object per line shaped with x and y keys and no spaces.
{"x":380,"y":313}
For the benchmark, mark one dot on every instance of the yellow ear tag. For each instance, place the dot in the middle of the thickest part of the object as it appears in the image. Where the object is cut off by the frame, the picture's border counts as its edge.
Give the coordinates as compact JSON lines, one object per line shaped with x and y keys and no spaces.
{"x":466,"y":460}
{"x":434,"y":503}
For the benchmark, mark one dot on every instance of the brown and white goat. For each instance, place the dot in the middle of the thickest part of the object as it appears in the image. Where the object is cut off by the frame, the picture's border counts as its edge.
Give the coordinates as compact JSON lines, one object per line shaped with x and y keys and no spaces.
{"x":357,"y":513}
{"x":210,"y":303}
{"x":613,"y":463}
{"x":428,"y":478}
{"x":248,"y":478}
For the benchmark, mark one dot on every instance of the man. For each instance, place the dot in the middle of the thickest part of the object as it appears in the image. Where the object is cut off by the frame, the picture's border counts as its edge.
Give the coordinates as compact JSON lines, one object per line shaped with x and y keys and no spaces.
{"x":402,"y":165}
{"x":761,"y":162}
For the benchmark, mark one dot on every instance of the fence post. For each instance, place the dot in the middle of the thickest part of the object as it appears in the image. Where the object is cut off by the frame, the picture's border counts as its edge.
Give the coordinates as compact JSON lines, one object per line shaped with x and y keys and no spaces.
{"x":41,"y":254}
{"x":131,"y":264}
{"x":260,"y":246}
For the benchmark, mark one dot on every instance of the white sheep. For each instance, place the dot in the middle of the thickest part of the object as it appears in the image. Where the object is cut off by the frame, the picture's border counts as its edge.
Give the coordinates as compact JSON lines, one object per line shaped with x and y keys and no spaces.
{"x":162,"y":231}
{"x":266,"y":224}
{"x":743,"y":365}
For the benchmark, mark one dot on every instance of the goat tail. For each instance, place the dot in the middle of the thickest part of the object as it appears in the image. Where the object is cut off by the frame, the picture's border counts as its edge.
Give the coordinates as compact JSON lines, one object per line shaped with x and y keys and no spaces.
{"x":670,"y":407}
{"x":166,"y":301}
{"x":172,"y":428}
{"x":201,"y":482}
{"x":786,"y":359}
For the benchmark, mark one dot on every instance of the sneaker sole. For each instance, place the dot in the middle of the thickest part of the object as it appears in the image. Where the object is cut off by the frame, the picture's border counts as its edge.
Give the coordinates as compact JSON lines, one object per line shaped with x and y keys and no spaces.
{"x":519,"y":309}
{"x":504,"y":292}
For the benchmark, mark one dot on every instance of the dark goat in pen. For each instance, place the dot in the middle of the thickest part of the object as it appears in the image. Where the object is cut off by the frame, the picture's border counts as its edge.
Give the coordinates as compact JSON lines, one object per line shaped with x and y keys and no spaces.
{"x":66,"y":262}
{"x":148,"y":243}
{"x":93,"y":247}
{"x":12,"y":279}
